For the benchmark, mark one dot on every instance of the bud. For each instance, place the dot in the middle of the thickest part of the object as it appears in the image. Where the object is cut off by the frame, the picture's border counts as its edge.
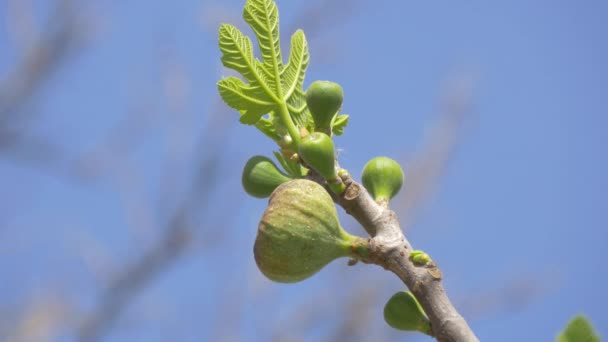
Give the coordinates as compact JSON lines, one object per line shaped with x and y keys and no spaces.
{"x":419,"y":258}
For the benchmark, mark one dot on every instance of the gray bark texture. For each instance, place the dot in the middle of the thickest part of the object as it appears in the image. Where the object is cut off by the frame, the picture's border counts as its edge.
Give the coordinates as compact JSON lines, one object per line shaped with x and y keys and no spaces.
{"x":390,"y":249}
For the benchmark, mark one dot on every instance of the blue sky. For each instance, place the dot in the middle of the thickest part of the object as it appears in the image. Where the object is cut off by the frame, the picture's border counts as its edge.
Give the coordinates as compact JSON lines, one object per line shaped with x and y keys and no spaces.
{"x":521,"y":198}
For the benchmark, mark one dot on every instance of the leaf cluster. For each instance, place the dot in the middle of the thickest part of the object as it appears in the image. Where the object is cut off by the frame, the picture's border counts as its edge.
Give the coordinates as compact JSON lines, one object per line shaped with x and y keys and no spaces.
{"x":270,"y":94}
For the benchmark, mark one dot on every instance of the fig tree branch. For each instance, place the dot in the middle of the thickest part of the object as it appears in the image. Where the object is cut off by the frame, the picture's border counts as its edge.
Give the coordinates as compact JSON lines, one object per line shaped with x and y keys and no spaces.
{"x":390,"y":249}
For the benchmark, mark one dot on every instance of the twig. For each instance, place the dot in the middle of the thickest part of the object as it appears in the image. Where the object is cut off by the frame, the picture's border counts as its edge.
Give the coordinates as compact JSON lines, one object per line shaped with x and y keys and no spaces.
{"x":174,"y":242}
{"x":134,"y":279}
{"x":49,"y":51}
{"x":59,"y":39}
{"x":427,"y":166}
{"x":390,"y":249}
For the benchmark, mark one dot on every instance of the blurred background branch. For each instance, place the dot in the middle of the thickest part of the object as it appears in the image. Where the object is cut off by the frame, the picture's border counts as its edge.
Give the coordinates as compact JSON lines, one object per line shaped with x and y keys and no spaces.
{"x":44,"y":51}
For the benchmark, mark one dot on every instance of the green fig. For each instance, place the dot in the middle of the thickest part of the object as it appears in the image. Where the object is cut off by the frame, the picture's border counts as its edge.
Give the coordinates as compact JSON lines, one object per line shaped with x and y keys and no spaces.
{"x":317,"y":150}
{"x":324,"y":99}
{"x":383,"y":178}
{"x":299,"y":233}
{"x":403,"y":312}
{"x":261,"y":176}
{"x":579,"y":329}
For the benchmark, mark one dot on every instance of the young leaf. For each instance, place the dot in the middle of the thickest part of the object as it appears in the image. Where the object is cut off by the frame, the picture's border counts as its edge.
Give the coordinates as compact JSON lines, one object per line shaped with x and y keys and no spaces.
{"x":237,"y":54}
{"x":272,"y":87}
{"x":248,"y":100}
{"x":266,"y":126}
{"x":340,"y":122}
{"x":293,"y":80}
{"x":579,"y":329}
{"x":263,"y":18}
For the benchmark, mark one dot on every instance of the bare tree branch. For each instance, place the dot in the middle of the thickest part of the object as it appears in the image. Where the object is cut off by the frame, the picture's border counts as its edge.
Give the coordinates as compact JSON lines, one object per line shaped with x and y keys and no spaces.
{"x":426,"y":168}
{"x":59,"y":39}
{"x":177,"y":236}
{"x":134,"y":278}
{"x":389,"y":248}
{"x":45,"y":54}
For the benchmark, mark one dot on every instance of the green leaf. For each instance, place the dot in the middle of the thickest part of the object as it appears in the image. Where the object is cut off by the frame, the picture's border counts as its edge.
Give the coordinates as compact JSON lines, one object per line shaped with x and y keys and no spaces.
{"x":268,"y":86}
{"x":238,"y":55}
{"x":292,"y":79}
{"x":263,"y":18}
{"x":243,"y":98}
{"x":339,"y":123}
{"x":266,"y":126}
{"x":579,"y":329}
{"x":299,"y":111}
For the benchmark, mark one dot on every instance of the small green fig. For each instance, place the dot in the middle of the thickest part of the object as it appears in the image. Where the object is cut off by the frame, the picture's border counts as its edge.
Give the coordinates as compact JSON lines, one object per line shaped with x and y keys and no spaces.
{"x":261,"y":176}
{"x":383,"y":178}
{"x":317,"y":150}
{"x":299,"y":233}
{"x":403,"y":312}
{"x":324,"y":99}
{"x":579,"y":329}
{"x":419,"y":258}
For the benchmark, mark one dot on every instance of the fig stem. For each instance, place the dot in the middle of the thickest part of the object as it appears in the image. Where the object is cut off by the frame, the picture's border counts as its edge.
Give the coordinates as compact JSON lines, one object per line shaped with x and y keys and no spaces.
{"x":360,"y":249}
{"x":382,"y":201}
{"x":291,"y":127}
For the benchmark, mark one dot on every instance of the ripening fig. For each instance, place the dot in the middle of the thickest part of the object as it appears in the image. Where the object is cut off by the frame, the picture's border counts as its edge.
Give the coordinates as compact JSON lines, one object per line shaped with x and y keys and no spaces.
{"x":299,"y":233}
{"x":383,"y":178}
{"x":403,"y":312}
{"x":261,"y":176}
{"x":324,"y":99}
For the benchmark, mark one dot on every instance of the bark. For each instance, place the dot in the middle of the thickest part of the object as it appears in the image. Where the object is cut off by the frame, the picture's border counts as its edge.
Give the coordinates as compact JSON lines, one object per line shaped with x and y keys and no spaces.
{"x":390,"y":249}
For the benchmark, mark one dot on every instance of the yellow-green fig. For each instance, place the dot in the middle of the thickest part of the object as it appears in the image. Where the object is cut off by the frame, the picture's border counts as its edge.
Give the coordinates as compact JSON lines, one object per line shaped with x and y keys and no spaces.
{"x":383,"y":178}
{"x":403,"y":312}
{"x":324,"y":99}
{"x":299,"y":233}
{"x":261,"y":176}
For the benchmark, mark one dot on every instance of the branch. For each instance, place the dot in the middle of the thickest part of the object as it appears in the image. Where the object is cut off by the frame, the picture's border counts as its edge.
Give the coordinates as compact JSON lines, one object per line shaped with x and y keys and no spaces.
{"x":430,"y":161}
{"x":390,"y":249}
{"x":177,"y":237}
{"x":59,"y":39}
{"x":135,"y":277}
